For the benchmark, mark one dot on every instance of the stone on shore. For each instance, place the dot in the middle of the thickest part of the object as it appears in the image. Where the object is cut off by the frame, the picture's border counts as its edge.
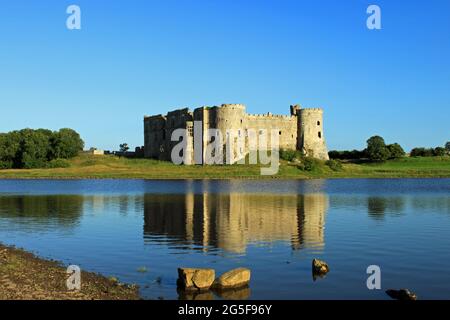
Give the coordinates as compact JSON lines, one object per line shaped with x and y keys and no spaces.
{"x":320,"y":267}
{"x":233,"y":279}
{"x":195,"y":279}
{"x":402,"y":294}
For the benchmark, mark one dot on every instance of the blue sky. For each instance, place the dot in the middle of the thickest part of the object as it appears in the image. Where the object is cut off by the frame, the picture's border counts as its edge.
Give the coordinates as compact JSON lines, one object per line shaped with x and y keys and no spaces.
{"x":133,"y":58}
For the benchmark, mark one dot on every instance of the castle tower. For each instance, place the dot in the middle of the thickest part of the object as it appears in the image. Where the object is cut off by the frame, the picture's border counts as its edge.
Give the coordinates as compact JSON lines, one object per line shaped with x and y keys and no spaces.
{"x":311,"y":139}
{"x":230,"y":117}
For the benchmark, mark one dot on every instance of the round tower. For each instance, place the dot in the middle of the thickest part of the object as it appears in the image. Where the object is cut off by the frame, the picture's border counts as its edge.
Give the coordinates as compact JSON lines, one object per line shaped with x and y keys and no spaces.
{"x":230,"y":116}
{"x":311,"y":139}
{"x":231,"y":121}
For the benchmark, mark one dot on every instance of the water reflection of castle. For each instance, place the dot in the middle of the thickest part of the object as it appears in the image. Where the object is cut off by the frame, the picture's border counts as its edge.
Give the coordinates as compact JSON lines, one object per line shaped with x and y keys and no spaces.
{"x":232,"y":221}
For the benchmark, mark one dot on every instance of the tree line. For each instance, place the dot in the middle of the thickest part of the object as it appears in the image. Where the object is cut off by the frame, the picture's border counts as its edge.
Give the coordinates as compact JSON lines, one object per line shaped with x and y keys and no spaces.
{"x":378,"y":150}
{"x":41,"y":148}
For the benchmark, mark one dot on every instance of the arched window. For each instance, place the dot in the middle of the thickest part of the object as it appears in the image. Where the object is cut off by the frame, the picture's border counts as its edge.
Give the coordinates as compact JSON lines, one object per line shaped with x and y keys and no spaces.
{"x":318,"y":123}
{"x":320,"y":135}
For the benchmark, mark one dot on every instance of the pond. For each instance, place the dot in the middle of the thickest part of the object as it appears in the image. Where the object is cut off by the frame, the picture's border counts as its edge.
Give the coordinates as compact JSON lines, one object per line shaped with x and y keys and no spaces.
{"x":141,"y":231}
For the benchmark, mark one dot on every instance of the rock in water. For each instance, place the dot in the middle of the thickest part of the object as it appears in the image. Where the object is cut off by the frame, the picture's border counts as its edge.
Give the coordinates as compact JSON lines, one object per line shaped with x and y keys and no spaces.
{"x":195,"y":279}
{"x":233,"y":279}
{"x":403,"y":295}
{"x":320,"y":267}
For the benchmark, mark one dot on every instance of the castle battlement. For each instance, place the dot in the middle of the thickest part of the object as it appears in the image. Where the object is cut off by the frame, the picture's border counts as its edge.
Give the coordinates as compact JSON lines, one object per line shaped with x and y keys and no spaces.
{"x":311,"y":110}
{"x":233,"y":106}
{"x":271,"y":116}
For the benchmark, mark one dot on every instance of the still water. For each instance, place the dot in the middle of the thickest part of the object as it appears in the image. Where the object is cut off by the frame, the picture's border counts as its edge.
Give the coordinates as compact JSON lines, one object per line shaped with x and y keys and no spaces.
{"x":275,"y":228}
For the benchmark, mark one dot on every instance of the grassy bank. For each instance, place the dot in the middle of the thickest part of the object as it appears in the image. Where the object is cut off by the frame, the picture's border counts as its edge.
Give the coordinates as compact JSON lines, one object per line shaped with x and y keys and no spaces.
{"x":23,"y":276}
{"x":111,"y":167}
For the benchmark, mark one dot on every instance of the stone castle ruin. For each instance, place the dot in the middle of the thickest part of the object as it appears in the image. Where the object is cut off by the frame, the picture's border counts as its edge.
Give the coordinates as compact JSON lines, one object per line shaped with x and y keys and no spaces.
{"x":301,"y":130}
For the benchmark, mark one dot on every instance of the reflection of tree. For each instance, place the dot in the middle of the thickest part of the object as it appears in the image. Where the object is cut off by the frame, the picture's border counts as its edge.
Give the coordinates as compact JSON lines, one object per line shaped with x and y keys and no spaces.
{"x":439,"y":204}
{"x":62,"y":210}
{"x":232,"y":221}
{"x":378,"y":206}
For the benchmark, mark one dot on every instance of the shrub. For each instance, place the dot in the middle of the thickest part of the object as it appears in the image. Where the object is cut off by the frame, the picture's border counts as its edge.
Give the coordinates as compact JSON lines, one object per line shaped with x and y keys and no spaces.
{"x":347,"y":155}
{"x":334,"y":165}
{"x":308,"y":164}
{"x":290,"y":155}
{"x":58,"y":163}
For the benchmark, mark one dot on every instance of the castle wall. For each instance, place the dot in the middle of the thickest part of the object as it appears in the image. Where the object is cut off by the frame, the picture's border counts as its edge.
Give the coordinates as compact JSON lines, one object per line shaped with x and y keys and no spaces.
{"x":286,"y":127}
{"x":154,"y":136}
{"x":233,"y":117}
{"x":302,"y":130}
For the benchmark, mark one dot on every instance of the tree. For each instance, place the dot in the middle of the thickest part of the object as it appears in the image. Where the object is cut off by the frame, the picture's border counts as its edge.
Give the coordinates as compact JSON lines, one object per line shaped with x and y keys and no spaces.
{"x":395,"y":151}
{"x":9,"y":148}
{"x":67,"y":143}
{"x":34,"y":149}
{"x":124,"y":147}
{"x":447,"y":147}
{"x":30,"y":148}
{"x":376,"y":149}
{"x":422,"y":152}
{"x":439,"y":152}
{"x":417,"y":152}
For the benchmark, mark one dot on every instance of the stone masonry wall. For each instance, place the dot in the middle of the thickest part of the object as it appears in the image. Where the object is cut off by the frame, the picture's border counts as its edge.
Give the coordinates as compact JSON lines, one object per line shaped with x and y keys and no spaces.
{"x":302,"y":130}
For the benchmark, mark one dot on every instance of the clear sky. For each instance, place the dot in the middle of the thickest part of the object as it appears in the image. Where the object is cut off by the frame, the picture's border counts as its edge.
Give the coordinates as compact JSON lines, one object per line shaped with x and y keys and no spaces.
{"x":133,"y":58}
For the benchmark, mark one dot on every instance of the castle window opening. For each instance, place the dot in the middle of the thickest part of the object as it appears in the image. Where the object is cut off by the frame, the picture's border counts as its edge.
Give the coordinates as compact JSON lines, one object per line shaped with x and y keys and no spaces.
{"x":320,"y":134}
{"x":280,"y":133}
{"x":318,"y":123}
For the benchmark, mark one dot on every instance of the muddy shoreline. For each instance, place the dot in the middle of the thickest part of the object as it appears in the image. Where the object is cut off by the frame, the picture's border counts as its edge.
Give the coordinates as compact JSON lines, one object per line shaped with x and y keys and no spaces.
{"x":24,"y":276}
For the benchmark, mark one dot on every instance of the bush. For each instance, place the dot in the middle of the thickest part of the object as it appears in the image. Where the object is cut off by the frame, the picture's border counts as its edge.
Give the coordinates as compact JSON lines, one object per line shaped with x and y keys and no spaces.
{"x":290,"y":155}
{"x":334,"y":165}
{"x":58,"y":163}
{"x":6,"y":165}
{"x":309,"y":164}
{"x":347,"y":155}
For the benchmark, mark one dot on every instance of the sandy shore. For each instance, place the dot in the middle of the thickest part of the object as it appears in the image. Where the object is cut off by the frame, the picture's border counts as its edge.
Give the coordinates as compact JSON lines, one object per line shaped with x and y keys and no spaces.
{"x":23,"y":276}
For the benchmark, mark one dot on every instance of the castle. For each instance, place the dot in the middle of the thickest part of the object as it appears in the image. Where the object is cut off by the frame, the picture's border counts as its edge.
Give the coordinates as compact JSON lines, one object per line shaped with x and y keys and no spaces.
{"x":301,"y":130}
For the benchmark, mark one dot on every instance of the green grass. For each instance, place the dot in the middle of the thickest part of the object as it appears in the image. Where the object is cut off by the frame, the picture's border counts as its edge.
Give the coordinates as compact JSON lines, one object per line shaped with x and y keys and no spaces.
{"x":111,"y":167}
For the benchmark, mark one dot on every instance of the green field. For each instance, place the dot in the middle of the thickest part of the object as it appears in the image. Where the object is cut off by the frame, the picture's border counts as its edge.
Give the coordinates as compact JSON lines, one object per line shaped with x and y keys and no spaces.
{"x":111,"y":167}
